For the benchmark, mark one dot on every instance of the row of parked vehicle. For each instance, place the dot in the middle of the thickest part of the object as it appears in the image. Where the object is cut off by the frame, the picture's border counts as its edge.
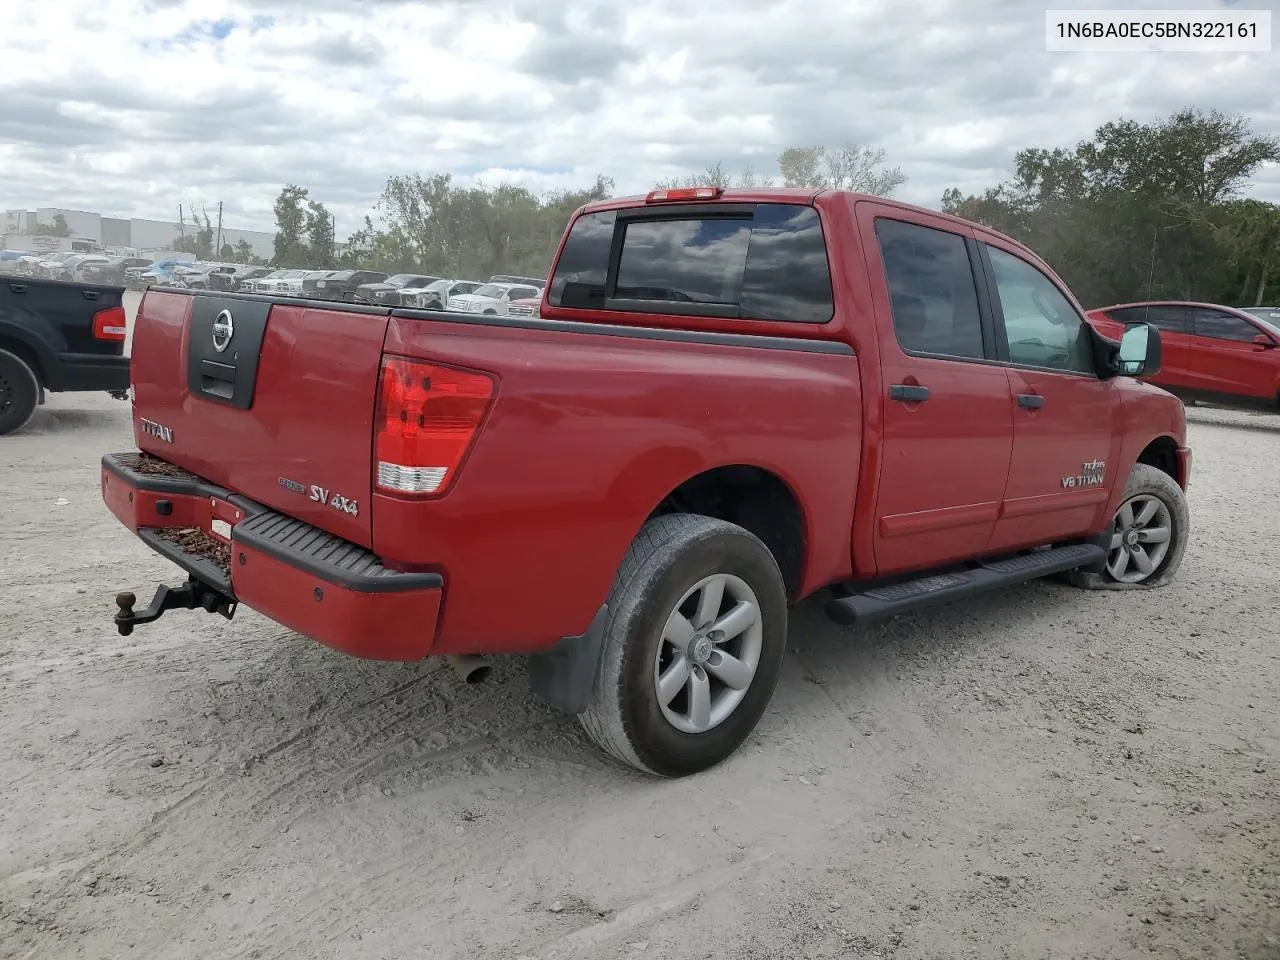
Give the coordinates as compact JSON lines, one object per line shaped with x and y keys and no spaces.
{"x":501,"y":294}
{"x":77,"y":267}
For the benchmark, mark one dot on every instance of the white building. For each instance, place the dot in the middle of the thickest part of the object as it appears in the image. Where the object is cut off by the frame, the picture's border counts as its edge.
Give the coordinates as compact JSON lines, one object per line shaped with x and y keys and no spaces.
{"x":137,"y":234}
{"x":81,"y":223}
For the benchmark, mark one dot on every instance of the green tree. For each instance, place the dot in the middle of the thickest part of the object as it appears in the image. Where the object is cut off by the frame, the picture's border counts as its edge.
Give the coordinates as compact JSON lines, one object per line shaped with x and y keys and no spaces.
{"x":1248,"y":233}
{"x":243,"y":253}
{"x":199,"y":243}
{"x":429,"y":224}
{"x":291,"y":227}
{"x":1141,"y":209}
{"x":715,"y":176}
{"x":849,"y":167}
{"x":320,"y":240}
{"x":58,"y":228}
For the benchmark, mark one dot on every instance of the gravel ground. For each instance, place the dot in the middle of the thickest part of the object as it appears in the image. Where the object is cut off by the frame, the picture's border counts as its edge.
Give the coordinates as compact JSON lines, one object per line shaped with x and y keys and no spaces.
{"x":1044,"y":773}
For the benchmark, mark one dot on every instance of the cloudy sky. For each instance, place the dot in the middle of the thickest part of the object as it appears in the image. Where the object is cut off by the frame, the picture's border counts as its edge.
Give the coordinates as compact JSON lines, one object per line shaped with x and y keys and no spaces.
{"x":129,"y":107}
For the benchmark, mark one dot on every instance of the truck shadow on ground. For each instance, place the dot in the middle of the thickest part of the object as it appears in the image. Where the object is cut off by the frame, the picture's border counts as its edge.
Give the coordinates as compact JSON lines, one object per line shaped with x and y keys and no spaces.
{"x":306,"y":725}
{"x":243,"y":740}
{"x":49,"y":420}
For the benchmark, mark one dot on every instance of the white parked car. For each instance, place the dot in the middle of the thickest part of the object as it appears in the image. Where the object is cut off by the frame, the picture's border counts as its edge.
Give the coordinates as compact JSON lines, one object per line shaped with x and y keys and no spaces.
{"x":282,"y":281}
{"x":492,"y":298}
{"x":435,"y":295}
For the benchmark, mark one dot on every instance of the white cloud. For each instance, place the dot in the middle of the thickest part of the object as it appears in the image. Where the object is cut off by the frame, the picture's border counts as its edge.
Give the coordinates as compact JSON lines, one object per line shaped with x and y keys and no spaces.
{"x":131,"y":107}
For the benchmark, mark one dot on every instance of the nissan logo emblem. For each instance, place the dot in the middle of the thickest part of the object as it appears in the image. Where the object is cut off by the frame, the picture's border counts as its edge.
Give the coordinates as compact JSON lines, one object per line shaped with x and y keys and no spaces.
{"x":224,"y":328}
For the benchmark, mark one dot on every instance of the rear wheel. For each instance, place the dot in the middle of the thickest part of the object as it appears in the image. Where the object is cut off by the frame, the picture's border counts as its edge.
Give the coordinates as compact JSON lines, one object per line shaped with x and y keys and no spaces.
{"x":19,"y":392}
{"x":693,"y":646}
{"x":1148,"y":535}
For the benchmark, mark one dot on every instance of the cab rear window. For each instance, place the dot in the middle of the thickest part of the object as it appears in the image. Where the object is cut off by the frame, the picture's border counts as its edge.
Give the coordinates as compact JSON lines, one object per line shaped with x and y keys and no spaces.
{"x":765,"y":261}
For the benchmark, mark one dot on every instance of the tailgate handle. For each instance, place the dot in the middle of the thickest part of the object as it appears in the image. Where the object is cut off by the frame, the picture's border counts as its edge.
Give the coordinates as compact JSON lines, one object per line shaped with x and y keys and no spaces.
{"x":18,"y":287}
{"x":218,"y":379}
{"x":90,"y":294}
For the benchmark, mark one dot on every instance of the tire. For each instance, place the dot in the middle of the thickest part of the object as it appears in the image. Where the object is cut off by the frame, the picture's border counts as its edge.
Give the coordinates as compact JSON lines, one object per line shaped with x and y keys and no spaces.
{"x":19,"y":392}
{"x":1146,"y":485}
{"x":660,"y":574}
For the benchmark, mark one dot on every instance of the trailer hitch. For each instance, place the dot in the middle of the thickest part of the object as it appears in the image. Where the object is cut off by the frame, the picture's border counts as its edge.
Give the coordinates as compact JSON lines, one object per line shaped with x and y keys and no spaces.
{"x":192,"y":595}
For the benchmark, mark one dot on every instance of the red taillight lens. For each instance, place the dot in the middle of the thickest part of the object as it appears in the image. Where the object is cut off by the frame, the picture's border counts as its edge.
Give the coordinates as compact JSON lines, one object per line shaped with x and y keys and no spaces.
{"x":110,"y":324}
{"x":683,"y":193}
{"x":426,"y":419}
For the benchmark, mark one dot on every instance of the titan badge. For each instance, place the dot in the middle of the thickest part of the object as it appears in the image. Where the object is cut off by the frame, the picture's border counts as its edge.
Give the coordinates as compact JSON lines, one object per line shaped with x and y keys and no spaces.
{"x":1092,"y":474}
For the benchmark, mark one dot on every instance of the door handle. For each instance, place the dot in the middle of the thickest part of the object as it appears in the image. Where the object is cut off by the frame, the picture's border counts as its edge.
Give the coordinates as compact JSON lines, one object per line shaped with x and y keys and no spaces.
{"x":18,"y":287}
{"x":1030,"y":401}
{"x":908,"y":393}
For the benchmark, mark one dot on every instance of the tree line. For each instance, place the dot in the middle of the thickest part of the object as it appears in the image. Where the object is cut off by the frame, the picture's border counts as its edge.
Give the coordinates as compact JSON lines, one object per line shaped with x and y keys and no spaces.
{"x":1140,"y":210}
{"x":431,"y":224}
{"x":1145,"y":210}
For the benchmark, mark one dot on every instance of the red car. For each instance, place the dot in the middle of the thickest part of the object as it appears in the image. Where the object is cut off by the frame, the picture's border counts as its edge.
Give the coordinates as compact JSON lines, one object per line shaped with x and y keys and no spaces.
{"x":1211,"y":352}
{"x":731,"y":400}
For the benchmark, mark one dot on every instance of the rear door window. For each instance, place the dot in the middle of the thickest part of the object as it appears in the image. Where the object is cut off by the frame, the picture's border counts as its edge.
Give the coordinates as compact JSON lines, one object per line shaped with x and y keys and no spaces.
{"x":1222,"y":326}
{"x":764,"y":261}
{"x":1164,"y":317}
{"x":932,"y":292}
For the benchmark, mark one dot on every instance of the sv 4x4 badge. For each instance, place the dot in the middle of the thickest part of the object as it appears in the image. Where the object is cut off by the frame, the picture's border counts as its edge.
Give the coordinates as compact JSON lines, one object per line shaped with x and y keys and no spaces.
{"x":322,"y":495}
{"x":335,"y":500}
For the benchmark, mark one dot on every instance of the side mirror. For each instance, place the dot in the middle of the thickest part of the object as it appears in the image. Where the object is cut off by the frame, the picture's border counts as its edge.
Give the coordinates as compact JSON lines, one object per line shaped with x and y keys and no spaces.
{"x":1140,"y":351}
{"x":1263,"y":342}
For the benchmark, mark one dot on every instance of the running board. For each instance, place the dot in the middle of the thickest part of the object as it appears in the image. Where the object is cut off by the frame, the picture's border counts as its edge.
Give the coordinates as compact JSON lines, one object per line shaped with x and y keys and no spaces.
{"x":865,"y":605}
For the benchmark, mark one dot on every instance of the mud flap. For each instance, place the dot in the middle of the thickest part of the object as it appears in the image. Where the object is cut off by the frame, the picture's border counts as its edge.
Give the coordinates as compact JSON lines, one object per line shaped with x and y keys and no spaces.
{"x":565,"y":675}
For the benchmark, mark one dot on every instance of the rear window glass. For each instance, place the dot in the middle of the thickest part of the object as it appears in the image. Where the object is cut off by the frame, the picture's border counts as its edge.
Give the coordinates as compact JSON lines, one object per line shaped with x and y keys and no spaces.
{"x":767,"y":263}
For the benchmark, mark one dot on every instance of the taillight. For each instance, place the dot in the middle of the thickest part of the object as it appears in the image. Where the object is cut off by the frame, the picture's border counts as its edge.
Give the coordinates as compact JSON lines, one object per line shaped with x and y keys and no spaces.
{"x":110,"y":324}
{"x":683,"y":193}
{"x":427,"y":416}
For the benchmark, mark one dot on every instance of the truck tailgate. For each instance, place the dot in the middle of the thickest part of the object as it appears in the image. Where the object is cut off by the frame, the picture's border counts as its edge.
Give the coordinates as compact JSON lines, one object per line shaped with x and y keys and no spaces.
{"x":281,"y":410}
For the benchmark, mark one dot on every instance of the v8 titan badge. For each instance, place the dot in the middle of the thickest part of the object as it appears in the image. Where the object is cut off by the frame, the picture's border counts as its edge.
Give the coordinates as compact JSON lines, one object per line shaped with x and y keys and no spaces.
{"x":1091,"y":475}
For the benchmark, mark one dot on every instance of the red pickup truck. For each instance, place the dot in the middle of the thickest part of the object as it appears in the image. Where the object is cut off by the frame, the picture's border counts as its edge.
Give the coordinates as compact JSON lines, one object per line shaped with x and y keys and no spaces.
{"x":731,"y":401}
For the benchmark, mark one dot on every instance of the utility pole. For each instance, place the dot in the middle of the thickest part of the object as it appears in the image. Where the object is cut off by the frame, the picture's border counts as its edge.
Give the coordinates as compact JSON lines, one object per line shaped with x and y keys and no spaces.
{"x":333,"y":239}
{"x":182,"y":224}
{"x":217,"y":247}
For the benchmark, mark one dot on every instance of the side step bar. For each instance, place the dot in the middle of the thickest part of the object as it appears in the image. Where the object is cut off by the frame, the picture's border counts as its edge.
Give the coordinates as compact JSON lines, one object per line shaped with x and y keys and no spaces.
{"x":862,"y":605}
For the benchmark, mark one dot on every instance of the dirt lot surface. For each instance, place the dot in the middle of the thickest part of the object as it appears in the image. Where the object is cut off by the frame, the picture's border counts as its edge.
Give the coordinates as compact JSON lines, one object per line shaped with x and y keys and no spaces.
{"x":1047,"y":773}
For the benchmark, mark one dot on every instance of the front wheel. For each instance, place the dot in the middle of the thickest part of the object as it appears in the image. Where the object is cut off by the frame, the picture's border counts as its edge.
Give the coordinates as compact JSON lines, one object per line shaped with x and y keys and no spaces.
{"x":19,"y":392}
{"x":693,"y":646}
{"x":1149,"y":535}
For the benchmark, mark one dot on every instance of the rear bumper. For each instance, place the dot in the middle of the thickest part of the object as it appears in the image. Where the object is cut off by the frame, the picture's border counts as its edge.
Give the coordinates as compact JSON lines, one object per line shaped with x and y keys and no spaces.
{"x":333,"y":591}
{"x":89,"y":371}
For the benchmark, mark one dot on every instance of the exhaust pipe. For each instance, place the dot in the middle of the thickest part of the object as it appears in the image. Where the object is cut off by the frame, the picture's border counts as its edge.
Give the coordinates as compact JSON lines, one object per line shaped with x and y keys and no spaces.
{"x":470,"y":668}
